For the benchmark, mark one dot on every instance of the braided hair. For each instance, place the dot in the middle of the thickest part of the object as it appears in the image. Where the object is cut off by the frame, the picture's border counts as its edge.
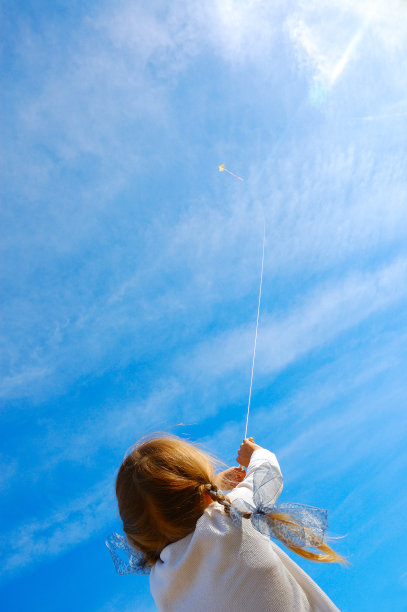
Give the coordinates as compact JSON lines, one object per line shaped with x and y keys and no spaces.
{"x":213,"y":492}
{"x":162,"y":488}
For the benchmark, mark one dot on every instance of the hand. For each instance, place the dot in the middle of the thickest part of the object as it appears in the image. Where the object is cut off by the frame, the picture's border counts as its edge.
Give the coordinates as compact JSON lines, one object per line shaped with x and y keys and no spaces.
{"x":229,"y":478}
{"x":245,"y":451}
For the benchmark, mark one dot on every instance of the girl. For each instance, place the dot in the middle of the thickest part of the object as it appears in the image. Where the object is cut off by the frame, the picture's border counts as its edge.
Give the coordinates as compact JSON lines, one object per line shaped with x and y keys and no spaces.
{"x":208,"y":552}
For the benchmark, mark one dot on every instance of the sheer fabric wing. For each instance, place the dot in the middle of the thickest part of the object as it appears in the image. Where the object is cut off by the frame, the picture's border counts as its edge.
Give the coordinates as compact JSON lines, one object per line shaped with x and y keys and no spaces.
{"x":313,"y":522}
{"x":267,"y":486}
{"x":304,"y":526}
{"x":261,"y":522}
{"x":133,"y":562}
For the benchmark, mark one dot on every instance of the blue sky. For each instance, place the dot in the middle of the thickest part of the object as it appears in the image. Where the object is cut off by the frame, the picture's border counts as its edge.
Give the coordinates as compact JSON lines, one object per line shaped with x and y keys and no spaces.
{"x":131,"y":268}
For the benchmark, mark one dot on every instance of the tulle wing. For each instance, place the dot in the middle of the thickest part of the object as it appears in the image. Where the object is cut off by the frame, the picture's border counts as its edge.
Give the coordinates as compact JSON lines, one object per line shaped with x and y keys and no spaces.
{"x":267,"y":486}
{"x":261,"y":522}
{"x":310,"y":524}
{"x":126,"y":560}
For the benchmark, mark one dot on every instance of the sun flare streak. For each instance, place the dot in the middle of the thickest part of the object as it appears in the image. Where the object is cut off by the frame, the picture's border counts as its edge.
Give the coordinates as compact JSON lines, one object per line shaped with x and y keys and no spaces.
{"x":352,"y":45}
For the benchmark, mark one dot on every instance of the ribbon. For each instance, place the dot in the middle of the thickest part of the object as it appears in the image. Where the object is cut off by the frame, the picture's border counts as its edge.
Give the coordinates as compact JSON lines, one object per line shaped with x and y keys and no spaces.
{"x":134,"y":561}
{"x":307,"y":525}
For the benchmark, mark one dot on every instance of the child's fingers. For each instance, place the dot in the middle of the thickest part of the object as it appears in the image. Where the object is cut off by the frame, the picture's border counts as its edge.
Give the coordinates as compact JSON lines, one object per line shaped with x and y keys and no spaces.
{"x":247,"y":442}
{"x":239,"y":472}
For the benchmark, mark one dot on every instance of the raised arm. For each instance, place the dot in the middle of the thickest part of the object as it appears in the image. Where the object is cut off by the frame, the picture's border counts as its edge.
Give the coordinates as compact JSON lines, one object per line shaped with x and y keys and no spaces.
{"x":251,"y":456}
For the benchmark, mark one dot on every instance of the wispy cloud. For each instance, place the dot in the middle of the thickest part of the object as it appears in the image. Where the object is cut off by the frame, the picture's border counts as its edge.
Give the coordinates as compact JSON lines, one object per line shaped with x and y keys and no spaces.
{"x":119,"y":291}
{"x":329,"y":44}
{"x":129,"y":256}
{"x":355,"y":429}
{"x":196,"y":385}
{"x":61,"y":530}
{"x":317,"y":319}
{"x":9,"y":467}
{"x":89,"y":330}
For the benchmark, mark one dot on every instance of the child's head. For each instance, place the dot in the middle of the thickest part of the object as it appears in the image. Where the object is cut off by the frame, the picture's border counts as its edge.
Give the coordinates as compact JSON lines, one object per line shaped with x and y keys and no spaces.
{"x":162,"y":489}
{"x":160,"y":492}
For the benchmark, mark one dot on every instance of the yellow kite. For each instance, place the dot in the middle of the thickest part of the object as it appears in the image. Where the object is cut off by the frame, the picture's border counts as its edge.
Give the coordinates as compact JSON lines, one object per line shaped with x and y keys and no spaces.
{"x":222,"y":168}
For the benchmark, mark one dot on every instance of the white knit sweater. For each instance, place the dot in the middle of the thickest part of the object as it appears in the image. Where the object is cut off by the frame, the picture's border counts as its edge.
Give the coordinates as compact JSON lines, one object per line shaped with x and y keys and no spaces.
{"x":223,"y":567}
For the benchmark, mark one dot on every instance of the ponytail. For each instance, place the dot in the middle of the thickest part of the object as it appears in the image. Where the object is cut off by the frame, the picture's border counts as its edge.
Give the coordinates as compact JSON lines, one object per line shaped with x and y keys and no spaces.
{"x":328,"y":555}
{"x":162,"y":488}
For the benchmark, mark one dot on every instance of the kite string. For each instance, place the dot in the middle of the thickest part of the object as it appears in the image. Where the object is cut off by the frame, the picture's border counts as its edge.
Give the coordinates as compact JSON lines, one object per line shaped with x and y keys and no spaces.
{"x":257,"y":329}
{"x":233,"y":174}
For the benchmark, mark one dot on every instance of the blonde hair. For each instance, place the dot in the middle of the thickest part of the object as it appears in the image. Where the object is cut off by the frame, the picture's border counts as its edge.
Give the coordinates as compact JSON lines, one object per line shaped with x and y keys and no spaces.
{"x":161,"y":489}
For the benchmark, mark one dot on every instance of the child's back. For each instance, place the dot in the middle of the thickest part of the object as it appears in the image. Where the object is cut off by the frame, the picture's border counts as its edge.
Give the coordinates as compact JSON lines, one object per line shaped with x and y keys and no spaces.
{"x":222,"y":566}
{"x":208,"y":552}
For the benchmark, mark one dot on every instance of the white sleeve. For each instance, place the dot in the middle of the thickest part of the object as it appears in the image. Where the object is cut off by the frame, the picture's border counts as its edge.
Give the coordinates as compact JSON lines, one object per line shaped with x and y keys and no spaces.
{"x":244,"y":489}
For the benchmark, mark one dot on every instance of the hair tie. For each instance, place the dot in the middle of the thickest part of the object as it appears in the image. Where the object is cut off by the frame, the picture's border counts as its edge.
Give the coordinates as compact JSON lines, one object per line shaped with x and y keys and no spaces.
{"x":209,"y":487}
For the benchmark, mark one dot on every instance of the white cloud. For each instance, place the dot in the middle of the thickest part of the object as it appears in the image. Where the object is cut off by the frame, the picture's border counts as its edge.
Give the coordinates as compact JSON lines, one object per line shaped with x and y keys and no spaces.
{"x":197,"y":384}
{"x":316,"y":320}
{"x":148,"y":287}
{"x":310,"y":422}
{"x":325,"y":201}
{"x":313,"y":227}
{"x":331,"y":35}
{"x":21,"y":384}
{"x":116,"y":427}
{"x":61,"y":530}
